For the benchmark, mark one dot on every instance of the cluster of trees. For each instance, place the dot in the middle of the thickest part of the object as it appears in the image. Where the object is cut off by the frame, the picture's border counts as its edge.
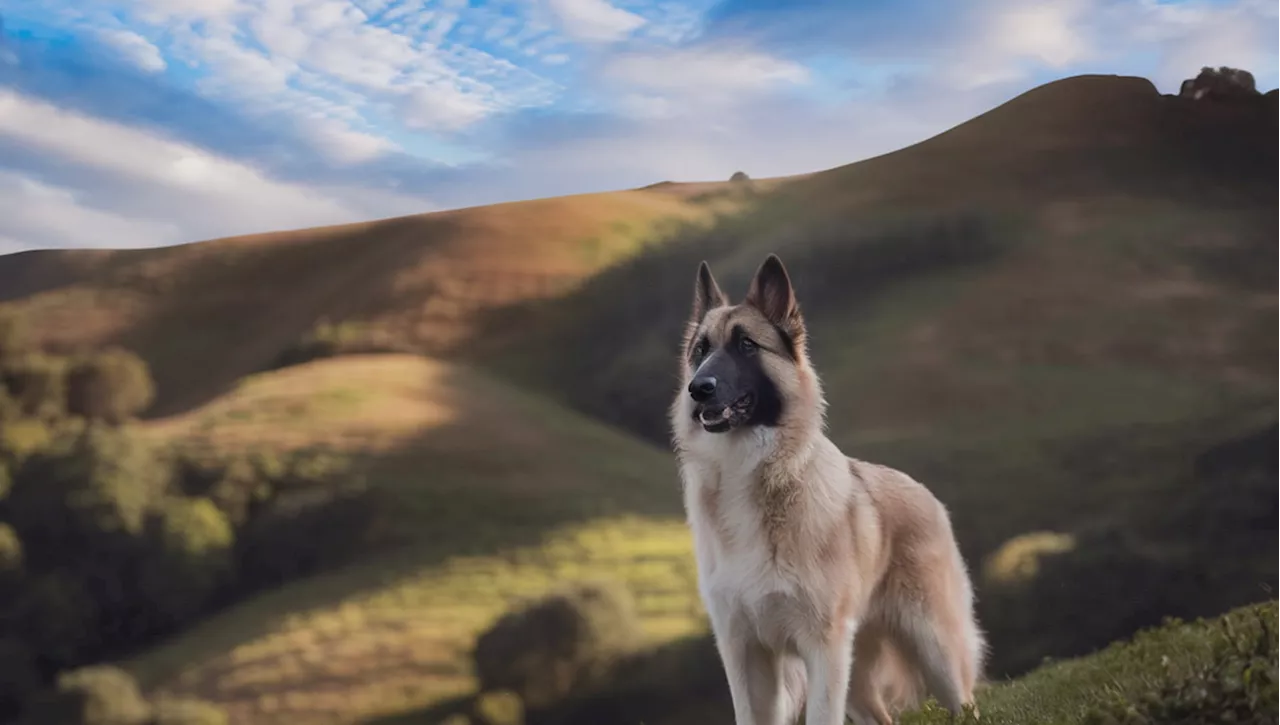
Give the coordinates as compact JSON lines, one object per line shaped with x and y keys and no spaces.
{"x":109,"y":541}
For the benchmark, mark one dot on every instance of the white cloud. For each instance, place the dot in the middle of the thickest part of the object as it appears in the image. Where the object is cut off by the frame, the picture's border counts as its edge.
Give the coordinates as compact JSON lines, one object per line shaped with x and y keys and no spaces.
{"x":595,"y":20}
{"x":705,"y":71}
{"x":134,"y":48}
{"x":139,"y":189}
{"x":34,"y":214}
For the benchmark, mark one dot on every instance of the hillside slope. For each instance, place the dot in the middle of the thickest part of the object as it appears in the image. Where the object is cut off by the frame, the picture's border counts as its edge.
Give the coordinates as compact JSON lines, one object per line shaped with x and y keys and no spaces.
{"x":1044,"y":314}
{"x":205,"y":314}
{"x":488,"y":493}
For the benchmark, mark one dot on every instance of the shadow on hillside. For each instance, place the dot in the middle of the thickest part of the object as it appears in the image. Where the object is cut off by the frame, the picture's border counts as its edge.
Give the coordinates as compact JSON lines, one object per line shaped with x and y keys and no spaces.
{"x":225,"y":317}
{"x":509,"y":469}
{"x":617,"y":360}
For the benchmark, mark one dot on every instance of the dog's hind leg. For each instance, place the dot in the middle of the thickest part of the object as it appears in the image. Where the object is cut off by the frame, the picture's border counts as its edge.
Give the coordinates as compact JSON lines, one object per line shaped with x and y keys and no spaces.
{"x":936,"y":644}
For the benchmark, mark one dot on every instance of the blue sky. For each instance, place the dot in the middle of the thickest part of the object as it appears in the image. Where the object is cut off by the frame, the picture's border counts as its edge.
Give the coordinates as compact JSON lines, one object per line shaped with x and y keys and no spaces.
{"x":151,"y":122}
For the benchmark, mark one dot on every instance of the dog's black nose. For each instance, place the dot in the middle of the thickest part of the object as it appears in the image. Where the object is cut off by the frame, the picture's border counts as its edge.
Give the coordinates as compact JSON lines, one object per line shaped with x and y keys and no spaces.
{"x":702,"y":388}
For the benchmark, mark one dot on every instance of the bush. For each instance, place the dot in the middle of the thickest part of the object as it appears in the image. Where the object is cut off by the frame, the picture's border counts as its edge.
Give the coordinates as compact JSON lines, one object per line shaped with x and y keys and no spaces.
{"x":37,"y":383}
{"x":299,"y":532}
{"x":1238,"y":684}
{"x":558,"y":643}
{"x":19,"y":676}
{"x":188,"y":559}
{"x":187,"y":711}
{"x":331,"y":340}
{"x":739,"y":177}
{"x":10,"y":556}
{"x":20,"y":438}
{"x":112,"y":386}
{"x":10,"y":409}
{"x":86,"y":496}
{"x":98,"y":695}
{"x":13,"y":336}
{"x":57,"y":618}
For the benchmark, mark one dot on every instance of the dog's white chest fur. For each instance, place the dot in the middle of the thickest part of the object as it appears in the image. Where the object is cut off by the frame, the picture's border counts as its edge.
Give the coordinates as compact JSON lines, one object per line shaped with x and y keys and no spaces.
{"x":739,"y":572}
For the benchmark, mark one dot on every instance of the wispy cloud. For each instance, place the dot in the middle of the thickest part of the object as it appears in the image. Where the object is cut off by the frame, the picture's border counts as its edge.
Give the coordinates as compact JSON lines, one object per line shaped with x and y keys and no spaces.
{"x":155,"y":121}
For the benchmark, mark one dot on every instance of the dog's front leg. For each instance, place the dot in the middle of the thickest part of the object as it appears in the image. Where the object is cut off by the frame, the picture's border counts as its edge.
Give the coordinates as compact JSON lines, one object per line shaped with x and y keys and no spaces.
{"x":829,"y":662}
{"x":758,"y":682}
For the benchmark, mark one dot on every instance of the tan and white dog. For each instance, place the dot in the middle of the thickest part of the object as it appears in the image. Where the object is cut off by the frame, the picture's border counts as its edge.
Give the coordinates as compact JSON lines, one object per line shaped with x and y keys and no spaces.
{"x":834,"y":586}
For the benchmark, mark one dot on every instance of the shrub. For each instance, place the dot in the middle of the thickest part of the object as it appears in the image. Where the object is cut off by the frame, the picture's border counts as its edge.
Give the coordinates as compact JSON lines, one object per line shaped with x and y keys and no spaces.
{"x":739,"y":177}
{"x":112,"y":386}
{"x":328,"y":339}
{"x":1237,"y":684}
{"x":55,"y":615}
{"x":19,"y":676}
{"x":651,"y":685}
{"x":188,"y":559}
{"x":37,"y":383}
{"x":299,"y":532}
{"x":10,"y":555}
{"x":13,"y":336}
{"x":86,"y":496}
{"x":187,"y":711}
{"x":558,"y":643}
{"x":10,"y":409}
{"x":98,"y":695}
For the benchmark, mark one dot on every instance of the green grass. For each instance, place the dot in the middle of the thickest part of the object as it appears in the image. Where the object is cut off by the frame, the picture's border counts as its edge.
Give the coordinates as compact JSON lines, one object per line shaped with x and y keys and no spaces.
{"x":1184,"y":673}
{"x":491,"y":494}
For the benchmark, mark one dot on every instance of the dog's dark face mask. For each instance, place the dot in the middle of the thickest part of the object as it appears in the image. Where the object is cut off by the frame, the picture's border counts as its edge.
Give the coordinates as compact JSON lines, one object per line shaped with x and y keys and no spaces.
{"x":730,"y":387}
{"x":729,"y":383}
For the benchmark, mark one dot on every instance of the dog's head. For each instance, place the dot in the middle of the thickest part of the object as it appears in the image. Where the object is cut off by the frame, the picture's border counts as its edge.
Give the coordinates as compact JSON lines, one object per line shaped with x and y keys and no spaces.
{"x":743,"y":364}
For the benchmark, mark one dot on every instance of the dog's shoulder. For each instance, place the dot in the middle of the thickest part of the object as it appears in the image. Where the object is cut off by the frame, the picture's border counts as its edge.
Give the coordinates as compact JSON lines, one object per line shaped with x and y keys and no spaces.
{"x":897,"y":495}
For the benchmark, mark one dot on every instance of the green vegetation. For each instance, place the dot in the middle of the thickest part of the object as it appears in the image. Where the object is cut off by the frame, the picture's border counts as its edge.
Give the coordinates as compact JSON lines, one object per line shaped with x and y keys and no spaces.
{"x":557,"y":644}
{"x":107,"y":541}
{"x":329,"y":339}
{"x":1058,"y":316}
{"x":112,"y":385}
{"x":1200,"y":673}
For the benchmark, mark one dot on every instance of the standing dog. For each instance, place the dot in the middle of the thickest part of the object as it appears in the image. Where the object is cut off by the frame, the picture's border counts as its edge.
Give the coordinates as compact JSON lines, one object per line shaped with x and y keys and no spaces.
{"x":832,"y":584}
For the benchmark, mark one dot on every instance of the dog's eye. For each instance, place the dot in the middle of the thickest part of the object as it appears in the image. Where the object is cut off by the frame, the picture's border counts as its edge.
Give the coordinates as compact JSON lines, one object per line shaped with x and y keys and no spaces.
{"x":700,"y":350}
{"x":747,"y":345}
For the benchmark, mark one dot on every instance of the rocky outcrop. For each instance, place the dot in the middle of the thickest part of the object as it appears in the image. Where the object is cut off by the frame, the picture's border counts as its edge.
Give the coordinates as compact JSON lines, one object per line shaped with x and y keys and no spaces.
{"x":1219,"y":83}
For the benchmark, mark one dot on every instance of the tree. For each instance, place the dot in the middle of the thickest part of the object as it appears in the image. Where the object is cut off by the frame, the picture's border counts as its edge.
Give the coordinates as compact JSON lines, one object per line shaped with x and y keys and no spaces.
{"x":558,"y":643}
{"x":112,"y":386}
{"x":98,"y":695}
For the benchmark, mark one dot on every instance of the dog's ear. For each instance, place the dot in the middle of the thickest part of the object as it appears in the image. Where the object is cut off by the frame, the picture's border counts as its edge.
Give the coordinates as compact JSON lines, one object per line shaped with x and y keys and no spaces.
{"x":706,"y":293}
{"x":771,"y":293}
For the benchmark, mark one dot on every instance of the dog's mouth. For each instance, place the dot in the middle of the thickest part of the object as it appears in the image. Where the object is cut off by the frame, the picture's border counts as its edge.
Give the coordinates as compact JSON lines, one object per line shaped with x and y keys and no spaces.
{"x":720,"y":418}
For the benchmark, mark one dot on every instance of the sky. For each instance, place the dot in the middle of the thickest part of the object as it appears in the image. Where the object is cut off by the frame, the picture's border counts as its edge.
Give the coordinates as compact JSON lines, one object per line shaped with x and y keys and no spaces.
{"x":154,"y":122}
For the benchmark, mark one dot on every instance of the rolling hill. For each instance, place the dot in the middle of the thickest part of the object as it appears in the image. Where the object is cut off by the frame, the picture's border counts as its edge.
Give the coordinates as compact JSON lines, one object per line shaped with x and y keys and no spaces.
{"x":1053,"y":315}
{"x":489,"y":493}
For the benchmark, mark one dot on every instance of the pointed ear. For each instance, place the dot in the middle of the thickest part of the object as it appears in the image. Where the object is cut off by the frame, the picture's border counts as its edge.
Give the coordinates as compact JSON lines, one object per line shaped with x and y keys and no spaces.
{"x":771,"y":293}
{"x":706,"y":293}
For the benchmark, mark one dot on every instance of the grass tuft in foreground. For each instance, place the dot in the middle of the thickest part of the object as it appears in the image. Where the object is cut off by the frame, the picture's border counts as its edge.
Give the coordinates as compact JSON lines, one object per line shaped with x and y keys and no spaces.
{"x":1184,"y":673}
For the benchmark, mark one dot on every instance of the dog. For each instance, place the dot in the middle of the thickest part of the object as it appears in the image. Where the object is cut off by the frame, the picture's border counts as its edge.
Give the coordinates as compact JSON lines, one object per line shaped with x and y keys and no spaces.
{"x":834,"y":587}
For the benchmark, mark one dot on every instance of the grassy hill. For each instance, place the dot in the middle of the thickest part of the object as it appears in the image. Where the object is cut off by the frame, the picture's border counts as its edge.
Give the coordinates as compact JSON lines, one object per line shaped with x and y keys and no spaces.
{"x":206,"y":314}
{"x":1058,"y":315}
{"x":489,"y":493}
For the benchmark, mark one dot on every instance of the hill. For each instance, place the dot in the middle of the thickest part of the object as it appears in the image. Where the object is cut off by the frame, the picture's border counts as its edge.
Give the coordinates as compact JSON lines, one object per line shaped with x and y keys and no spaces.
{"x":489,"y":494}
{"x":1044,"y":314}
{"x":234,"y":304}
{"x":1058,"y":316}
